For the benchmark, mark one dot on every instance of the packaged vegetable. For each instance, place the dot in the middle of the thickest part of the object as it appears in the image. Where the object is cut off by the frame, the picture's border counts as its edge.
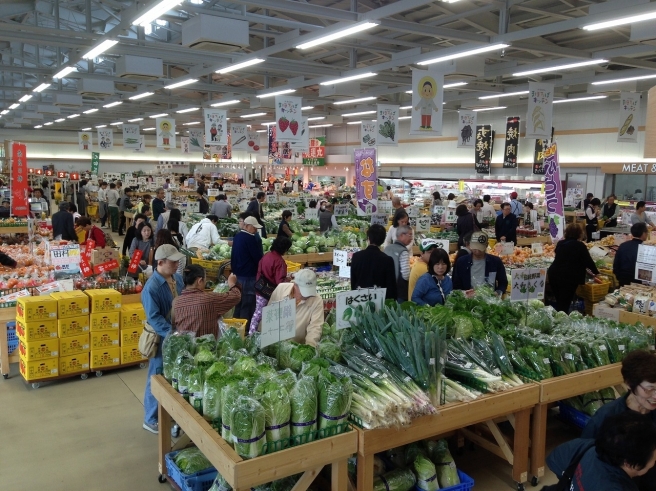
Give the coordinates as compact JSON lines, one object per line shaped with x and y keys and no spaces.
{"x":304,"y":401}
{"x":247,"y":427}
{"x":277,"y":413}
{"x":191,"y":460}
{"x":426,"y":474}
{"x":396,"y":480}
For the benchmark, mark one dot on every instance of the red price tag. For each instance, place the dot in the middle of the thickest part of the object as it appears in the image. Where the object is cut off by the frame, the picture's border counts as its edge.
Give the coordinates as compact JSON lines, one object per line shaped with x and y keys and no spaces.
{"x":74,"y":176}
{"x":134,"y":261}
{"x":85,"y":269}
{"x":89,"y":245}
{"x":50,"y":173}
{"x":108,"y":266}
{"x":61,"y":175}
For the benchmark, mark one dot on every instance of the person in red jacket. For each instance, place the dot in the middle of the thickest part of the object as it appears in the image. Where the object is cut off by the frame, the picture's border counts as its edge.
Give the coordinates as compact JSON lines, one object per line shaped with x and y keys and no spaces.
{"x":92,"y":232}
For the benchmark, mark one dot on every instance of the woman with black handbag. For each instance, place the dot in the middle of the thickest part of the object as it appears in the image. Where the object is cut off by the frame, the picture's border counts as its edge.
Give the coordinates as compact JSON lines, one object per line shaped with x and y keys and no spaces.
{"x":271,"y":271}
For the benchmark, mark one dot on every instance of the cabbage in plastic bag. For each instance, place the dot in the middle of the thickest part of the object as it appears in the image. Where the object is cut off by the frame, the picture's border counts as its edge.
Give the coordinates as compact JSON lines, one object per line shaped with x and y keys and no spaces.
{"x":191,"y":460}
{"x":247,"y":427}
{"x":304,"y":400}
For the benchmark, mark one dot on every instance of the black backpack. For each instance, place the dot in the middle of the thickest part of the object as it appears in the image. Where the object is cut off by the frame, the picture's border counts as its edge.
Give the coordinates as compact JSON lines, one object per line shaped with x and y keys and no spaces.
{"x":565,"y":481}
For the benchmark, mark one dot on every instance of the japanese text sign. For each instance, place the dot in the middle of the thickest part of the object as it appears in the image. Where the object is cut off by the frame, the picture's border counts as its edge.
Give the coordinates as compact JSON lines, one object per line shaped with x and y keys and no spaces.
{"x":89,"y":246}
{"x":135,"y":260}
{"x":19,"y":206}
{"x":366,"y":180}
{"x":278,"y":322}
{"x":107,"y":266}
{"x":527,"y":284}
{"x":371,"y":299}
{"x":65,"y":258}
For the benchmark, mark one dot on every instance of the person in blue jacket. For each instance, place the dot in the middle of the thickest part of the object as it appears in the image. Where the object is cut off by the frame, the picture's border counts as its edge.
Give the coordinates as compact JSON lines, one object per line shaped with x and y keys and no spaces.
{"x":245,"y":256}
{"x":627,"y":254}
{"x":480,"y":268}
{"x":433,"y":287}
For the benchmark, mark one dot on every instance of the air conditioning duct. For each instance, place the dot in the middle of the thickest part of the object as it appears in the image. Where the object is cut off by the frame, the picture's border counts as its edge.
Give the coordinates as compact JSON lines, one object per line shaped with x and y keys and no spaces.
{"x":48,"y":109}
{"x":68,"y":100}
{"x":95,"y":88}
{"x":208,"y":32}
{"x":139,"y":68}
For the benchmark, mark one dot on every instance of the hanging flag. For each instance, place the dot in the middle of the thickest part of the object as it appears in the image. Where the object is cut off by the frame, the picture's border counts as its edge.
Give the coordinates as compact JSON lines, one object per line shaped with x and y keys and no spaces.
{"x":553,"y":191}
{"x":165,"y":128}
{"x":19,"y":206}
{"x":274,"y":152}
{"x":216,"y":126}
{"x":540,"y":110}
{"x":95,"y":163}
{"x":196,"y":139}
{"x":538,"y":157}
{"x":184,"y":144}
{"x":512,"y":143}
{"x":427,"y":97}
{"x":131,"y":136}
{"x":254,"y":141}
{"x":105,"y":139}
{"x":225,"y":151}
{"x":366,"y":181}
{"x":288,"y":118}
{"x":239,"y":134}
{"x":142,"y":144}
{"x":629,"y":115}
{"x":84,"y":139}
{"x":388,"y":125}
{"x":317,"y":155}
{"x":466,"y":126}
{"x":368,"y":133}
{"x":304,"y":144}
{"x":483,"y":148}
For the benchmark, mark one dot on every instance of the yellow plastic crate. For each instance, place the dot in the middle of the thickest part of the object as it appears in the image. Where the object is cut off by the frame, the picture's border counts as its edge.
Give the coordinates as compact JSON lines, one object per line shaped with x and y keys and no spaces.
{"x":293,"y":267}
{"x":211,"y":267}
{"x":239,"y":324}
{"x":593,"y":292}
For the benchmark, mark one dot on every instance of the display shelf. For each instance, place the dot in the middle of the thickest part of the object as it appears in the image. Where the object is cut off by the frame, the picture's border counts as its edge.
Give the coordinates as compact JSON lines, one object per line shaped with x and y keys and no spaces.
{"x":527,"y":241}
{"x":13,"y":230}
{"x":243,"y":474}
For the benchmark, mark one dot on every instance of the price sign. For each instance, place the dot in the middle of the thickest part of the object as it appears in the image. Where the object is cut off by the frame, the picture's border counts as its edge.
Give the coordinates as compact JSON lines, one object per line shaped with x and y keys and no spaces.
{"x":442,"y":244}
{"x":89,"y":246}
{"x":439,"y":210}
{"x":135,"y":260}
{"x":107,"y":266}
{"x":340,"y":258}
{"x":277,"y":186}
{"x":292,"y":201}
{"x":307,"y":201}
{"x":342,"y":210}
{"x":507,"y":248}
{"x":278,"y":322}
{"x":423,"y":224}
{"x":292,"y":210}
{"x":384,"y":206}
{"x":371,"y":299}
{"x":243,"y":205}
{"x":527,"y":284}
{"x":65,"y":258}
{"x":379,"y":219}
{"x":311,"y":214}
{"x":271,"y":198}
{"x":451,"y":216}
{"x":246,"y":193}
{"x":85,"y":269}
{"x":233,"y":200}
{"x":536,"y":248}
{"x":344,"y":271}
{"x":413,"y":211}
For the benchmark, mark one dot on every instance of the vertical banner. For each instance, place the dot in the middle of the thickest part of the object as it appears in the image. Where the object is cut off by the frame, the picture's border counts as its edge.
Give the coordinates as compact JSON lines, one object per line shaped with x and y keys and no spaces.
{"x":553,"y":190}
{"x":368,"y":133}
{"x":629,"y":117}
{"x":288,"y":118}
{"x":254,"y":141}
{"x":142,"y":144}
{"x":512,"y":143}
{"x":131,"y":136}
{"x":95,"y":163}
{"x":538,"y":157}
{"x":84,"y":140}
{"x":427,"y":97}
{"x":540,"y":110}
{"x":388,"y":125}
{"x":239,"y":133}
{"x":466,"y":125}
{"x":19,"y":206}
{"x":483,"y":148}
{"x":226,"y":150}
{"x":274,"y":152}
{"x":184,"y":144}
{"x":216,"y":127}
{"x":366,"y":180}
{"x":304,"y":144}
{"x":165,"y":128}
{"x":196,"y":139}
{"x":105,"y":139}
{"x":317,"y":154}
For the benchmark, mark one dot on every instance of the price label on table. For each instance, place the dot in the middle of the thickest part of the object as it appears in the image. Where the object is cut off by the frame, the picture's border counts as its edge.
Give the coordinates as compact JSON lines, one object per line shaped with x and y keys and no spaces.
{"x":106,"y":266}
{"x":413,"y":211}
{"x":384,"y":206}
{"x":342,"y":210}
{"x":527,"y":284}
{"x":277,"y":186}
{"x":451,"y":216}
{"x":271,"y":198}
{"x":278,"y":322}
{"x":507,"y":248}
{"x":65,"y":258}
{"x":292,"y":201}
{"x":243,"y":205}
{"x":442,"y":244}
{"x":423,"y":224}
{"x":536,"y":248}
{"x":379,"y":219}
{"x":340,"y":258}
{"x":370,"y":299}
{"x":233,"y":200}
{"x":311,"y":214}
{"x":439,"y":210}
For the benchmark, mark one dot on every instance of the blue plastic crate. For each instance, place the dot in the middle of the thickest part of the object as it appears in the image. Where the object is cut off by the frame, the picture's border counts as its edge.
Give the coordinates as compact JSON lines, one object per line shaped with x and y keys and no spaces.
{"x":12,"y":340}
{"x":466,"y":483}
{"x":573,"y":416}
{"x":201,"y":481}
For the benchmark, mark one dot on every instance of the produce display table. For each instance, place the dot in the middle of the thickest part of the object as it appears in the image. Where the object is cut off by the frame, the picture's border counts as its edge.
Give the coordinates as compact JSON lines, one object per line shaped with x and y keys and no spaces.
{"x":559,"y":388}
{"x":527,"y":241}
{"x":517,"y":402}
{"x":13,"y":230}
{"x":319,"y":257}
{"x":242,"y":474}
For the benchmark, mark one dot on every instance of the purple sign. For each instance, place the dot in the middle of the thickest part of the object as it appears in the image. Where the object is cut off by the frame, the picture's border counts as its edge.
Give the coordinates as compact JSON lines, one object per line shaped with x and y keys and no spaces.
{"x":366,"y":182}
{"x":553,"y":190}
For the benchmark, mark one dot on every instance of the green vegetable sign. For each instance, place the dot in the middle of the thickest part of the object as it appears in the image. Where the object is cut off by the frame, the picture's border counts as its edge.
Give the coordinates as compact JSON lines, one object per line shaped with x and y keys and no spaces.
{"x":350,"y":304}
{"x":528,"y":284}
{"x":95,"y":163}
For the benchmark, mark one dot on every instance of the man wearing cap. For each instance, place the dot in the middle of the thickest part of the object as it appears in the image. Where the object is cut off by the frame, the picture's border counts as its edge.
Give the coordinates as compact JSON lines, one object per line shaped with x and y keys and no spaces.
{"x":245,"y":256}
{"x":480,"y":268}
{"x":309,"y":305}
{"x":372,"y":267}
{"x":157,"y":297}
{"x":255,"y":209}
{"x":516,"y":208}
{"x":63,"y":224}
{"x":420,"y":266}
{"x":398,"y":251}
{"x":163,"y":219}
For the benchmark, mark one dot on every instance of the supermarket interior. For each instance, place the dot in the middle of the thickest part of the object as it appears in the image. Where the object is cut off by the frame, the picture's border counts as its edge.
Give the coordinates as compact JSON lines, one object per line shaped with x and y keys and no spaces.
{"x":345,"y":245}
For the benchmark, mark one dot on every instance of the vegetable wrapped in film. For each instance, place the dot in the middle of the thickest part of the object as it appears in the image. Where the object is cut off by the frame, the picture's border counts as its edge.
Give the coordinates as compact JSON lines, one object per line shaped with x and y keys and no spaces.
{"x":286,"y":378}
{"x":247,"y":427}
{"x":230,"y":393}
{"x":184,"y":364}
{"x":207,"y":341}
{"x":334,"y":399}
{"x":212,"y":397}
{"x":501,"y":358}
{"x":173,"y":344}
{"x":304,"y":400}
{"x":591,"y":402}
{"x":277,"y":413}
{"x":537,"y":361}
{"x":314,"y":367}
{"x":426,"y":474}
{"x":396,"y":480}
{"x":220,"y":484}
{"x":195,"y":389}
{"x":447,"y":473}
{"x":252,"y":343}
{"x":245,"y":366}
{"x":230,"y":340}
{"x":329,"y":350}
{"x":191,"y":460}
{"x":204,"y":358}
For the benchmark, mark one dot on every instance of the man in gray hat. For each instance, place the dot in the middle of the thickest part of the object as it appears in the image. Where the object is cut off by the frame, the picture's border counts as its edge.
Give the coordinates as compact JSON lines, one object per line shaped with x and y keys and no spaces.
{"x":163,"y":219}
{"x":63,"y":225}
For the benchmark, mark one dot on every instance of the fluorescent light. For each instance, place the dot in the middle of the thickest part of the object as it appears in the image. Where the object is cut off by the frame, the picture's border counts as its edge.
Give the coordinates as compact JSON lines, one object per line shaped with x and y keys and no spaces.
{"x":454,"y":84}
{"x":279,"y":92}
{"x":504,"y":94}
{"x":90,"y":111}
{"x":101,"y":126}
{"x":360,"y":113}
{"x":86,"y":129}
{"x":254,"y":115}
{"x":353,"y":101}
{"x":112,"y":104}
{"x":405,"y":117}
{"x":100,"y":49}
{"x":405,"y":107}
{"x":148,"y":129}
{"x":47,"y":124}
{"x":73,"y":116}
{"x":559,"y":67}
{"x":348,"y":79}
{"x":14,"y":106}
{"x":337,"y":35}
{"x":60,"y":120}
{"x":320,"y":126}
{"x":237,"y":66}
{"x":181,"y":83}
{"x":225,"y":103}
{"x":188,"y":110}
{"x":307,"y":108}
{"x":159,"y":115}
{"x":38,"y":126}
{"x":41,"y":87}
{"x":577,"y":99}
{"x":134,"y":120}
{"x":25,"y":98}
{"x":354,"y":122}
{"x":462,"y":54}
{"x":261,"y":131}
{"x":141,"y":96}
{"x":4,"y":112}
{"x":268,"y":124}
{"x":316,"y":118}
{"x":117,"y":123}
{"x":489,"y":109}
{"x":190,"y":123}
{"x":64,"y":72}
{"x":620,"y":21}
{"x":615,"y":80}
{"x":155,"y":12}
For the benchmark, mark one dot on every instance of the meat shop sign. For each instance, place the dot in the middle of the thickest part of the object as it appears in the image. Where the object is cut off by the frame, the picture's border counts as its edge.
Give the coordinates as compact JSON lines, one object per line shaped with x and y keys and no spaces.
{"x":645,"y":168}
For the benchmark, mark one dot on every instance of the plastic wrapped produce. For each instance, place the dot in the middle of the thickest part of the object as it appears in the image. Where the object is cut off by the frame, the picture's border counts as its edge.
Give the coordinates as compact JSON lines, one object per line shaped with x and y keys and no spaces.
{"x":447,"y":473}
{"x":172,"y":345}
{"x":334,"y":399}
{"x":426,"y":474}
{"x":195,"y":389}
{"x":191,"y":460}
{"x":184,"y":364}
{"x":396,"y":480}
{"x":304,"y":400}
{"x":247,"y":427}
{"x":277,"y":412}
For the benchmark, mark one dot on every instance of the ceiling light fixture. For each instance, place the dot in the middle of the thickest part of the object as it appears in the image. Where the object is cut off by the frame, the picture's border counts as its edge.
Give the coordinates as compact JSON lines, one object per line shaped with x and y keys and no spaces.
{"x":159,"y":115}
{"x":307,"y":108}
{"x":462,"y":54}
{"x":73,"y":116}
{"x":360,"y":113}
{"x":101,"y":126}
{"x":237,"y":66}
{"x":316,"y":118}
{"x":191,"y":123}
{"x":188,"y":110}
{"x":38,"y":126}
{"x":578,"y":99}
{"x":86,"y":129}
{"x":405,"y":117}
{"x":148,"y":129}
{"x":14,"y":105}
{"x":348,"y":79}
{"x":225,"y":103}
{"x":320,"y":126}
{"x":261,"y":131}
{"x":621,"y":21}
{"x":25,"y":98}
{"x":90,"y":111}
{"x":268,"y":124}
{"x":338,"y":35}
{"x":60,"y":120}
{"x":141,"y":96}
{"x":454,"y":84}
{"x":134,"y":120}
{"x":156,"y":11}
{"x":47,"y":124}
{"x":41,"y":87}
{"x":112,"y":104}
{"x":504,"y":94}
{"x":354,"y":122}
{"x":4,"y":112}
{"x":628,"y":79}
{"x":100,"y":49}
{"x":278,"y":92}
{"x":117,"y":123}
{"x":559,"y":67}
{"x":65,"y":71}
{"x":353,"y":101}
{"x":254,"y":115}
{"x":405,"y":107}
{"x":181,"y":83}
{"x":489,"y":109}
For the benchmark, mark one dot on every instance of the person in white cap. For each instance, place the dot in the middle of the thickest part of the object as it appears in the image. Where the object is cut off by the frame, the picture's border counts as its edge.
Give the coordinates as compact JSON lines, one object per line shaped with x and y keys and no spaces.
{"x":245,"y":256}
{"x":480,"y":268}
{"x":309,"y":306}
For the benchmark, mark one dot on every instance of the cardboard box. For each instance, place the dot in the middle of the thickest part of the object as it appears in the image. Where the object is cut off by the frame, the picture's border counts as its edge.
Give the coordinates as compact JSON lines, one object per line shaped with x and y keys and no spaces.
{"x":73,"y":325}
{"x":104,"y":339}
{"x":74,"y":345}
{"x":130,"y":354}
{"x":103,"y":358}
{"x":100,"y":256}
{"x":40,"y":369}
{"x":36,"y":308}
{"x":104,"y":300}
{"x":133,"y":315}
{"x":36,"y":330}
{"x":38,"y":350}
{"x":104,"y":321}
{"x":605,"y":311}
{"x":130,"y":337}
{"x":71,"y":304}
{"x":74,"y":364}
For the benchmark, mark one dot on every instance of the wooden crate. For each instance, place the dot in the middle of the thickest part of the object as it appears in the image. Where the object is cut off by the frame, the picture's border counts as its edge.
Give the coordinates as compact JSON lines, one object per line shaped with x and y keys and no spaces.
{"x":319,"y":257}
{"x":632,"y":318}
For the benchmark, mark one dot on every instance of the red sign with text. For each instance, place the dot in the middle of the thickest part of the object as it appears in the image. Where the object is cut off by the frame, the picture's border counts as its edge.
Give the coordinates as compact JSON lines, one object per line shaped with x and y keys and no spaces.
{"x":108,"y":266}
{"x":85,"y":269}
{"x":89,"y":246}
{"x":19,"y":206}
{"x":134,"y":261}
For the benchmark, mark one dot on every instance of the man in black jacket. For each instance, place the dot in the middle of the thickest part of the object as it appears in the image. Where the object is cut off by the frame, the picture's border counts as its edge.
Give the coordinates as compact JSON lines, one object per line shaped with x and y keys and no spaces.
{"x":63,"y":224}
{"x":372,"y":267}
{"x":627,"y":254}
{"x":506,"y":225}
{"x":255,"y":209}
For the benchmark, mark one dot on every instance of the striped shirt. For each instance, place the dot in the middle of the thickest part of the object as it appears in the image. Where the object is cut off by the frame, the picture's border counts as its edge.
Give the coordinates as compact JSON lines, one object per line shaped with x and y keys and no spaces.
{"x":199,"y":312}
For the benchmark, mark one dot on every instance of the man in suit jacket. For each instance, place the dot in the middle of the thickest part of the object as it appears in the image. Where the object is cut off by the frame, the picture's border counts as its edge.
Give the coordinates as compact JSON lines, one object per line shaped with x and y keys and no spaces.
{"x":63,"y":223}
{"x":255,"y":209}
{"x":627,"y":254}
{"x":372,"y":267}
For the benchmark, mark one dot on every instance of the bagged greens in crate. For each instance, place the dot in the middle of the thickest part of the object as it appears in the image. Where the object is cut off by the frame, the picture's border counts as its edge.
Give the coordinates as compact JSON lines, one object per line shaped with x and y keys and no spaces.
{"x":447,"y":473}
{"x":247,"y":420}
{"x":304,"y":401}
{"x":174,"y":343}
{"x":396,"y":480}
{"x":426,"y":474}
{"x":191,"y":460}
{"x":334,"y":400}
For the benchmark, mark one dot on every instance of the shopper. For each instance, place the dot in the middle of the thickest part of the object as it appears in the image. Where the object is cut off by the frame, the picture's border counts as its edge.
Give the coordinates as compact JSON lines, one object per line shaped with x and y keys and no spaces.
{"x":463,"y":251}
{"x":145,"y":210}
{"x":526,"y":217}
{"x":373,"y":268}
{"x":437,"y":199}
{"x":591,"y":221}
{"x":271,"y":271}
{"x":103,"y":212}
{"x":92,"y":232}
{"x":125,"y":204}
{"x":627,"y":254}
{"x":221,"y":208}
{"x":204,"y":234}
{"x":255,"y":208}
{"x":489,"y":213}
{"x":568,"y":269}
{"x":157,"y":298}
{"x":480,"y":268}
{"x":640,"y":216}
{"x":505,"y":227}
{"x":400,"y":219}
{"x":309,"y":306}
{"x":143,"y":241}
{"x":177,"y":227}
{"x":82,"y":197}
{"x":396,"y":204}
{"x":420,"y":266}
{"x":434,"y":286}
{"x":112,"y":206}
{"x":199,"y":311}
{"x":38,"y":197}
{"x":466,"y":222}
{"x":203,"y":204}
{"x":144,"y":201}
{"x":388,"y":193}
{"x":163,"y":219}
{"x":398,"y":251}
{"x":63,"y":223}
{"x":327,"y":219}
{"x":158,"y":204}
{"x":5,"y":209}
{"x":283,"y":228}
{"x":515,"y":205}
{"x":586,"y":201}
{"x":477,"y":211}
{"x":244,"y":260}
{"x":163,"y":237}
{"x":131,"y":232}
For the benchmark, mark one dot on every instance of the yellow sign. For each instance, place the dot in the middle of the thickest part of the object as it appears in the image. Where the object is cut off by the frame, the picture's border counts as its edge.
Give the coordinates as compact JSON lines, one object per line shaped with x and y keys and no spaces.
{"x":461,"y":186}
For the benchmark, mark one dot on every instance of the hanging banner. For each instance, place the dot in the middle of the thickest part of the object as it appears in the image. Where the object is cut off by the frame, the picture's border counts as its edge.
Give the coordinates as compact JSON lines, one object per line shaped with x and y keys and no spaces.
{"x":553,"y":190}
{"x":165,"y":128}
{"x":388,"y":125}
{"x":95,"y":163}
{"x":196,"y":139}
{"x":105,"y":139}
{"x":466,"y":125}
{"x":304,"y":144}
{"x":512,"y":143}
{"x":216,"y":126}
{"x":483,"y":148}
{"x":427,"y":97}
{"x":317,"y":154}
{"x":538,"y":157}
{"x":254,"y":141}
{"x":184,"y":144}
{"x":288,"y":118}
{"x":629,"y":116}
{"x":19,"y":206}
{"x":540,"y":110}
{"x":142,"y":144}
{"x":131,"y":136}
{"x":239,"y":133}
{"x":274,"y":152}
{"x":368,"y":133}
{"x":366,"y":180}
{"x":84,"y":140}
{"x":226,"y":150}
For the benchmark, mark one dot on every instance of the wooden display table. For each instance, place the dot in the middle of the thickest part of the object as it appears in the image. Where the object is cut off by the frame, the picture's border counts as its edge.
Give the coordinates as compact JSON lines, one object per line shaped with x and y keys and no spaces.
{"x":527,"y":241}
{"x":319,"y":257}
{"x":129,"y":216}
{"x":13,"y":230}
{"x":516,"y":402}
{"x":242,"y":474}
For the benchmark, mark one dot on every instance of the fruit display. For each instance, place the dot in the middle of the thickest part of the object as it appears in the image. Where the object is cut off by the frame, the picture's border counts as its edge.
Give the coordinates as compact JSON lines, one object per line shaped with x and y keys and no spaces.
{"x":13,"y":222}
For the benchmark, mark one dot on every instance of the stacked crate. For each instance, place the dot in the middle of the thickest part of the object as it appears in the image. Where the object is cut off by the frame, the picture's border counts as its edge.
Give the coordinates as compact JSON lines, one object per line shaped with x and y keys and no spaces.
{"x":105,"y":334}
{"x":133,"y":319}
{"x":36,"y":326}
{"x":73,"y":331}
